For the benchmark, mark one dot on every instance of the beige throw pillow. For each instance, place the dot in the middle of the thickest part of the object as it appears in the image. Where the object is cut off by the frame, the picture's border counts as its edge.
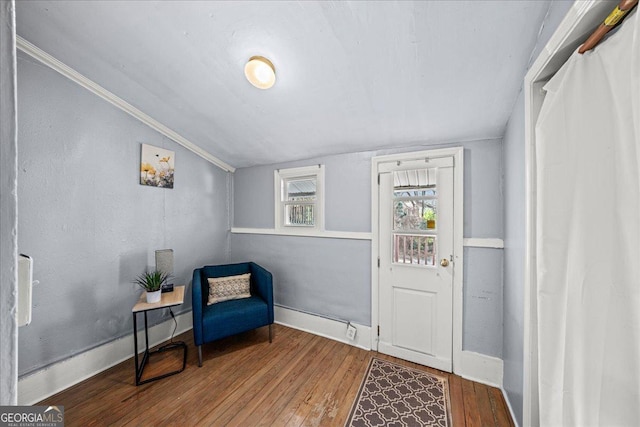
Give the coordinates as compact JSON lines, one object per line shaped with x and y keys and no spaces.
{"x":228,"y":288}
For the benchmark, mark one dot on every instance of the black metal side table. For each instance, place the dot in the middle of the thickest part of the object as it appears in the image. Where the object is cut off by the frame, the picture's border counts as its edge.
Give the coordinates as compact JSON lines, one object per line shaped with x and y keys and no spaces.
{"x":169,"y":299}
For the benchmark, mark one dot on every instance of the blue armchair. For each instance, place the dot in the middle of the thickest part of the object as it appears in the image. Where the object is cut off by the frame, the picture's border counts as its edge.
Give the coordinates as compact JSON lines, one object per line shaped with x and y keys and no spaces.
{"x":223,"y":319}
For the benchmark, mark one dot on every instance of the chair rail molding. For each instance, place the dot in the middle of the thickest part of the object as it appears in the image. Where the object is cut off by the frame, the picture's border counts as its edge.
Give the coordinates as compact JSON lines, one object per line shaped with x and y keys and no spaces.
{"x":477,"y":242}
{"x":353,"y":235}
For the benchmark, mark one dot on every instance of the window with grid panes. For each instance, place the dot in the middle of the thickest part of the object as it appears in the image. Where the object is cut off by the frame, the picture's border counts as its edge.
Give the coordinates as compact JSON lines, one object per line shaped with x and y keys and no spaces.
{"x":299,"y":198}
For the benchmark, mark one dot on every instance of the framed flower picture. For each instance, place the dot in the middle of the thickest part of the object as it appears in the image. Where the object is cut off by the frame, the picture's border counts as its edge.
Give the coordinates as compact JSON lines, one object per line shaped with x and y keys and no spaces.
{"x":157,"y":166}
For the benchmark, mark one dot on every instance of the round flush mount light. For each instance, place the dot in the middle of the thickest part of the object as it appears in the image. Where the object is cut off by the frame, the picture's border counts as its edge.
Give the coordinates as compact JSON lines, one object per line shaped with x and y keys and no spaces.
{"x":260,"y":72}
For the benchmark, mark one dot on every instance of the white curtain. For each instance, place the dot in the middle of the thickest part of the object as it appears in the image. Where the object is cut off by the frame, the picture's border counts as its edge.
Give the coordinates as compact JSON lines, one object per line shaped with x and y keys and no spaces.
{"x":588,"y":237}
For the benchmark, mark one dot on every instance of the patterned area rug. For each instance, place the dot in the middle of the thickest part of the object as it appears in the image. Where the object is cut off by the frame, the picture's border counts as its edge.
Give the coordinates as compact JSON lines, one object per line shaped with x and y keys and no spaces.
{"x":395,"y":395}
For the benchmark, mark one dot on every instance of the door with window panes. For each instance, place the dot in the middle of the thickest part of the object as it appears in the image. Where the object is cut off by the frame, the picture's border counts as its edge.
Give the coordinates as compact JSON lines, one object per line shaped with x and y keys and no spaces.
{"x":415,"y":274}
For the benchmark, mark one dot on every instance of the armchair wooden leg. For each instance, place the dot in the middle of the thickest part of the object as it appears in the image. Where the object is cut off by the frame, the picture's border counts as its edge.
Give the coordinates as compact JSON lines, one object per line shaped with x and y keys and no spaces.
{"x":200,"y":356}
{"x":270,"y":332}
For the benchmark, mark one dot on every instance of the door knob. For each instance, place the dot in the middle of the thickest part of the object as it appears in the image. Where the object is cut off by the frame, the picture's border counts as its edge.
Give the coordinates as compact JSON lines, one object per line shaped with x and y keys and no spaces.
{"x":444,"y":262}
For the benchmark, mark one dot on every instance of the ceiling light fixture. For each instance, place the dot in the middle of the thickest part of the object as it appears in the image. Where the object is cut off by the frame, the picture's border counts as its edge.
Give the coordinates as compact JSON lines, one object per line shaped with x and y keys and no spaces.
{"x":260,"y":72}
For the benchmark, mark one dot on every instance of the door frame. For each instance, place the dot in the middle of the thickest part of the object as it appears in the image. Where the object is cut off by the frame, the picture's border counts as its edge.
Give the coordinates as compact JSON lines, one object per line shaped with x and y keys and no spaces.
{"x":458,"y":222}
{"x":580,"y":21}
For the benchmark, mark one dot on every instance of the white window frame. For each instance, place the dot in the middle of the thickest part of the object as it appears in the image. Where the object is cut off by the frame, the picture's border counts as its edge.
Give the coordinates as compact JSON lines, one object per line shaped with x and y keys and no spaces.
{"x":280,"y":176}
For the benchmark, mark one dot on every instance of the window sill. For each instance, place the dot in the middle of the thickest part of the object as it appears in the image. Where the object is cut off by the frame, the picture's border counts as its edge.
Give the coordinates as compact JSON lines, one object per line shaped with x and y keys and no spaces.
{"x":352,"y":235}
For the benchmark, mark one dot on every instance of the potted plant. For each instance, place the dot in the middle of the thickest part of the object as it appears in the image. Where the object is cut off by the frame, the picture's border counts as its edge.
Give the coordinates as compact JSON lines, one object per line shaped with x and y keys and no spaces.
{"x":151,"y":282}
{"x":430,"y":218}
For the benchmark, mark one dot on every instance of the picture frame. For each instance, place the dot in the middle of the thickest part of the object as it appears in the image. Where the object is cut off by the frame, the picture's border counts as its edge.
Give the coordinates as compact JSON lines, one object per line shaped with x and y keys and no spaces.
{"x":157,"y":166}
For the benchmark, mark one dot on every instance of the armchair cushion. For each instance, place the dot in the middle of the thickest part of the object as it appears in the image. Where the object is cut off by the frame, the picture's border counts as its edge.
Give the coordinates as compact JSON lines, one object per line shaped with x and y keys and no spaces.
{"x":234,"y":316}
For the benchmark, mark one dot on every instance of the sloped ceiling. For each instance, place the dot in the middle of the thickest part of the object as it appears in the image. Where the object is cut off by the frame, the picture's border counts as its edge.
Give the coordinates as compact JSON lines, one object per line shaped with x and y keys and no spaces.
{"x":352,"y":76}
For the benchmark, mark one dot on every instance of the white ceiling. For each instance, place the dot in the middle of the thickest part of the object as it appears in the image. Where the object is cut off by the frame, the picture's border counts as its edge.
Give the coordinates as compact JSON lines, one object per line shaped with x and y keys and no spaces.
{"x":352,"y":76}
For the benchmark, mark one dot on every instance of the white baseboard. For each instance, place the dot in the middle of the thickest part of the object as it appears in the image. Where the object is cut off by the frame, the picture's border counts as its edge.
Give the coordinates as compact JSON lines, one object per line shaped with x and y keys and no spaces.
{"x":51,"y":380}
{"x":480,"y":368}
{"x":44,"y":383}
{"x":328,"y":328}
{"x":506,"y":399}
{"x":474,"y":366}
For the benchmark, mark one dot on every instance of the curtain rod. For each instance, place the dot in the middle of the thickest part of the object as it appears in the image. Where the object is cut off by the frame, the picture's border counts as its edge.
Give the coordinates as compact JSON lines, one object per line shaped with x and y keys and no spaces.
{"x":612,"y":20}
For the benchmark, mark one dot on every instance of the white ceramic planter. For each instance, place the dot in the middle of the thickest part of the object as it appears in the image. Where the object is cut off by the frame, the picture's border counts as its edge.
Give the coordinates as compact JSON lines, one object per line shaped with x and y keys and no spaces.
{"x":154,"y":296}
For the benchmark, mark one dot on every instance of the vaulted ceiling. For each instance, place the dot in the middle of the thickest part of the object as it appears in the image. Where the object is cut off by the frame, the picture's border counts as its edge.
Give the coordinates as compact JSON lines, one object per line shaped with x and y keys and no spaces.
{"x":351,"y":76}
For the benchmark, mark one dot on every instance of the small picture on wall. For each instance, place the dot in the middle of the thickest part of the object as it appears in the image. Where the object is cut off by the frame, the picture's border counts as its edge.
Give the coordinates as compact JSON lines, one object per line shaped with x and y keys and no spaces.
{"x":156,"y":166}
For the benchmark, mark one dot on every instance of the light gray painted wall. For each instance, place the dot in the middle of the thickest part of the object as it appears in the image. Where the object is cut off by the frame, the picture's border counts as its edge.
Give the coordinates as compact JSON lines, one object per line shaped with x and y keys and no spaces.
{"x":89,"y":225}
{"x":323,"y":276}
{"x":483,"y":189}
{"x":482,"y":306}
{"x":348,"y":205}
{"x":332,"y":277}
{"x":514,"y":243}
{"x":8,"y":207}
{"x":515,"y":231}
{"x":348,"y":190}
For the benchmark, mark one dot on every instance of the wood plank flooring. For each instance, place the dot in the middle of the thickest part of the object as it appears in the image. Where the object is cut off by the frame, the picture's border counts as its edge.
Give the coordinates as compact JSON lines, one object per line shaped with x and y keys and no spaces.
{"x":299,"y":380}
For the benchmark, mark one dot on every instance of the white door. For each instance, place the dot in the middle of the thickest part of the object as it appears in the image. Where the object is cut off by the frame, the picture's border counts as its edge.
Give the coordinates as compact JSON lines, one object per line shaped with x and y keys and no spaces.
{"x":416,"y":261}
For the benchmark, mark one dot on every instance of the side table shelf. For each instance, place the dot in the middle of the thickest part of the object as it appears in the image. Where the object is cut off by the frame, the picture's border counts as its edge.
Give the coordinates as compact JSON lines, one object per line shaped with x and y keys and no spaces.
{"x":169,"y":299}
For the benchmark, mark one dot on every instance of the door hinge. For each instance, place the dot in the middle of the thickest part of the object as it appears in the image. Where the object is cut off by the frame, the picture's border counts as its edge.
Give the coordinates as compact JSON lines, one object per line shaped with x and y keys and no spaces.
{"x":378,"y":330}
{"x":378,"y":179}
{"x":378,"y":262}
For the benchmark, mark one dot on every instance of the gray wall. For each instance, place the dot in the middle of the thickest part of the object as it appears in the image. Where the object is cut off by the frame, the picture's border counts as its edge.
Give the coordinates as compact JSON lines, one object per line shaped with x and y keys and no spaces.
{"x":89,"y":225}
{"x":332,"y":277}
{"x":8,"y":206}
{"x":482,"y":304}
{"x":515,"y":230}
{"x":514,"y":246}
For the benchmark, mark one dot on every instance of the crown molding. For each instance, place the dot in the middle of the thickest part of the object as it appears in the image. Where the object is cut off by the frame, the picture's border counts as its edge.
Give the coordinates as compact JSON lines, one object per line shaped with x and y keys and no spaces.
{"x":53,"y":63}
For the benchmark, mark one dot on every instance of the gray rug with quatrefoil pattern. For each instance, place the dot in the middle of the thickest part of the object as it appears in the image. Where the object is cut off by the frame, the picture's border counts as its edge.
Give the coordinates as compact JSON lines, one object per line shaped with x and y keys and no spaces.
{"x":395,"y":395}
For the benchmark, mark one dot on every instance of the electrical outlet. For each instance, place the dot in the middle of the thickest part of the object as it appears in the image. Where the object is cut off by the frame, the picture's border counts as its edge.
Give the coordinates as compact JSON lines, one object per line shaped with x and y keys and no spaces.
{"x":351,"y":331}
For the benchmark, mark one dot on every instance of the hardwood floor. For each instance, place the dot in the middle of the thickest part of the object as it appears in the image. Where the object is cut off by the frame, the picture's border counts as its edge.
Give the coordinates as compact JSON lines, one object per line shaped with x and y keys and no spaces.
{"x":299,"y":380}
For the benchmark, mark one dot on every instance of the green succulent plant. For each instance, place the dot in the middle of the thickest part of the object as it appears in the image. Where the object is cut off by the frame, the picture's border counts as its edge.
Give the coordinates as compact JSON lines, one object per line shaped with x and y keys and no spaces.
{"x":151,"y":281}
